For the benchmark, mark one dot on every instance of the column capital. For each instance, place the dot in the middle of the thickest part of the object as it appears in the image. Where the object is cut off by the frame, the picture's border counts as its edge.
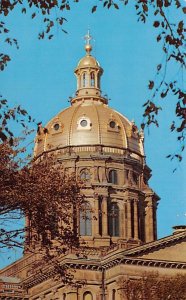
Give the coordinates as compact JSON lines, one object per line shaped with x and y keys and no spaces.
{"x":136,"y":200}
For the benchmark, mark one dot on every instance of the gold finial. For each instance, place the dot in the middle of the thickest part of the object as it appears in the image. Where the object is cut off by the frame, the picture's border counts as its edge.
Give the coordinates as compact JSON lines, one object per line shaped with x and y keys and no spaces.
{"x":88,"y":46}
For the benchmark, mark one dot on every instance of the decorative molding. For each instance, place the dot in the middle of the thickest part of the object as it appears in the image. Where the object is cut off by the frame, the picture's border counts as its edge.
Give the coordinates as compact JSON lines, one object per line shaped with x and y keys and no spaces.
{"x":97,"y":261}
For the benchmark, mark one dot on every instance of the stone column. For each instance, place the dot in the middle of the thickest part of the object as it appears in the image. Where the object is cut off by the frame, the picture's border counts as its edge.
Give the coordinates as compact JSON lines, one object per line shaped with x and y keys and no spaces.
{"x":96,"y":170}
{"x":149,"y":220}
{"x":129,"y":223}
{"x":88,"y":79}
{"x":125,"y":220}
{"x":126,"y":173}
{"x":95,"y":218}
{"x":96,"y":79}
{"x":122,"y":220}
{"x":155,"y":221}
{"x":104,"y":216}
{"x":136,"y":233}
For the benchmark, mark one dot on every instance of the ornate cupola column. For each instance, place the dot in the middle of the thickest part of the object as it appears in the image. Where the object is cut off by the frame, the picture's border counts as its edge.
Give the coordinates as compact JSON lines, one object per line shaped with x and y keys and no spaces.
{"x":88,"y":73}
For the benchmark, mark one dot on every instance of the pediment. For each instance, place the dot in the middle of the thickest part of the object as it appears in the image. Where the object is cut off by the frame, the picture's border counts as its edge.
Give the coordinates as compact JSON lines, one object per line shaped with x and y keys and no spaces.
{"x":172,"y":248}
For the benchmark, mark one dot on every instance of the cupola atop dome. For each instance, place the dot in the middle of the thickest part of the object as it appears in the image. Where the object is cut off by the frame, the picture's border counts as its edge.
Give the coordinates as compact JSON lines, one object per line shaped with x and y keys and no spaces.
{"x":88,"y":73}
{"x":89,"y":123}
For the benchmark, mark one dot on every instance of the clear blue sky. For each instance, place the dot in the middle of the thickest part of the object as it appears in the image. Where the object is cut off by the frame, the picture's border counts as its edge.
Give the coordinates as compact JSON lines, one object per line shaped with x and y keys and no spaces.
{"x":40,"y":77}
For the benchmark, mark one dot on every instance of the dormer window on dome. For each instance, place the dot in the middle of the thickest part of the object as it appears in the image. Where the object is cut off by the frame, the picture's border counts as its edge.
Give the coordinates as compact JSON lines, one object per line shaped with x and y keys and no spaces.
{"x":84,"y":123}
{"x":56,"y":126}
{"x":113,"y":126}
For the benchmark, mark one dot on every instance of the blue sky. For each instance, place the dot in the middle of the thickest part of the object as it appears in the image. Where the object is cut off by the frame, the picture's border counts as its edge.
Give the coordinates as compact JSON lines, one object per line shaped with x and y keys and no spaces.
{"x":40,"y":77}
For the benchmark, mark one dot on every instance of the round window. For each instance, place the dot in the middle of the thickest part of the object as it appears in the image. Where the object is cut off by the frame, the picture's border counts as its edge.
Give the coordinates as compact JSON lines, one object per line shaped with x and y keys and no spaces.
{"x":83,"y":123}
{"x":56,"y":126}
{"x":112,"y":124}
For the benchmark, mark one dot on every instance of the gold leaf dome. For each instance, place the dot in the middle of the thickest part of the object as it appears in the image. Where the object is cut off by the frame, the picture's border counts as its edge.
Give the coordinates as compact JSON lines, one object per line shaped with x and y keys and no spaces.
{"x":88,"y":61}
{"x":90,"y":125}
{"x":86,"y":126}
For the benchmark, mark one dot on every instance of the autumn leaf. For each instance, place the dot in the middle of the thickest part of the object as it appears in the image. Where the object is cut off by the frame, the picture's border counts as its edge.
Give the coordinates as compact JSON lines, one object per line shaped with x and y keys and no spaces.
{"x":151,"y":85}
{"x":116,"y":6}
{"x":94,"y":8}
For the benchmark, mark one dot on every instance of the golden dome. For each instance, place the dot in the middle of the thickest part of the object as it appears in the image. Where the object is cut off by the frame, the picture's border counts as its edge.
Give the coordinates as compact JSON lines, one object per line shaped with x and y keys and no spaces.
{"x":91,"y":124}
{"x":88,"y":61}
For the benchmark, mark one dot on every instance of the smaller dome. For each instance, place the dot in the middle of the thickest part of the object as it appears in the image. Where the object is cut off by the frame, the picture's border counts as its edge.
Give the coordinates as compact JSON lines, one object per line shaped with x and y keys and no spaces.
{"x":88,"y":61}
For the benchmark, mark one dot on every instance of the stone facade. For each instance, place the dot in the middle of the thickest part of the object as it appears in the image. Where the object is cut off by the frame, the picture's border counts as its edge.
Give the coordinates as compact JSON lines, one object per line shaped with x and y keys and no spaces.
{"x":105,"y":150}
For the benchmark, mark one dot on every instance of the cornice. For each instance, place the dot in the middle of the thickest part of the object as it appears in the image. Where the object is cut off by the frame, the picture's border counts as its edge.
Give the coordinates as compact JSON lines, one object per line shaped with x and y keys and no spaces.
{"x":156,"y":244}
{"x":70,"y":151}
{"x":86,"y":265}
{"x":112,"y":259}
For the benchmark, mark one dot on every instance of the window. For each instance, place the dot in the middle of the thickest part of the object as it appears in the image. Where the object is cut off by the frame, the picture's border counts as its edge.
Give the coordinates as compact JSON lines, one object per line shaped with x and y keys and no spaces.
{"x":114,"y":219}
{"x":84,"y":80}
{"x":83,"y":123}
{"x":85,"y":175}
{"x":92,"y":79}
{"x":87,"y":296}
{"x":135,"y":178}
{"x":112,"y":124}
{"x":113,"y":178}
{"x":56,"y":126}
{"x":113,"y":294}
{"x":85,"y":220}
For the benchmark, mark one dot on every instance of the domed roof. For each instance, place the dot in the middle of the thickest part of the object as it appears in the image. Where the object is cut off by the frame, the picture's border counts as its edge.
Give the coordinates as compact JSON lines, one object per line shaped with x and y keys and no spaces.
{"x":90,"y":123}
{"x":88,"y":61}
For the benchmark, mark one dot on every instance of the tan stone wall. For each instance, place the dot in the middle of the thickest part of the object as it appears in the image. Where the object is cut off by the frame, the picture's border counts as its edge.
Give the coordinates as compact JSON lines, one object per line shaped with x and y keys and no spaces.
{"x":173,"y":253}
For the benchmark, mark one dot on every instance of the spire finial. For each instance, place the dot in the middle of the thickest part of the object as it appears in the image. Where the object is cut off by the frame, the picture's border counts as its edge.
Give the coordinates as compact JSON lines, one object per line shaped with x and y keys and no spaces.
{"x":88,"y":46}
{"x":88,"y":37}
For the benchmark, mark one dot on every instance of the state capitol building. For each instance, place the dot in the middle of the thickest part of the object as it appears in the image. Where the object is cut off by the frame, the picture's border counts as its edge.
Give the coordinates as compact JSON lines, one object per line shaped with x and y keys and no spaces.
{"x":118,"y":223}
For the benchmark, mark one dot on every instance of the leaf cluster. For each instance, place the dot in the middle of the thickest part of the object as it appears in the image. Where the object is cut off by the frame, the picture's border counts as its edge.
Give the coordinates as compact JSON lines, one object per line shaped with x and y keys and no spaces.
{"x":154,"y":287}
{"x":9,"y":116}
{"x":49,"y":200}
{"x":171,"y":35}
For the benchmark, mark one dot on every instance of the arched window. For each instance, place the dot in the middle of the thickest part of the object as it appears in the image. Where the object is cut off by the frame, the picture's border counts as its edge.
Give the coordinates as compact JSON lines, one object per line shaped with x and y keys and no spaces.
{"x":64,"y":297}
{"x":113,"y":294}
{"x":92,"y":79}
{"x":114,"y":219}
{"x":113,"y":177}
{"x":85,"y":175}
{"x":84,"y":80}
{"x":85,"y":220}
{"x":135,"y":178}
{"x":87,"y":296}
